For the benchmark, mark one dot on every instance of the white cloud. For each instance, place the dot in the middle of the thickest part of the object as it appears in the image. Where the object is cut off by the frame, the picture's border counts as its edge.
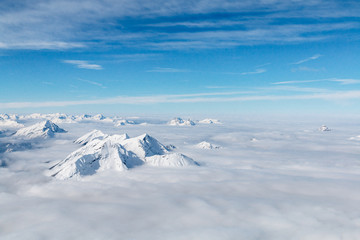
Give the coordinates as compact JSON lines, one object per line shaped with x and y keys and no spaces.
{"x":188,"y":98}
{"x":41,"y":45}
{"x":64,"y":24}
{"x":257,"y":71}
{"x":289,"y":184}
{"x":92,"y":82}
{"x":307,"y":69}
{"x":316,"y":56}
{"x":167,"y":70}
{"x":84,"y":64}
{"x":343,"y":81}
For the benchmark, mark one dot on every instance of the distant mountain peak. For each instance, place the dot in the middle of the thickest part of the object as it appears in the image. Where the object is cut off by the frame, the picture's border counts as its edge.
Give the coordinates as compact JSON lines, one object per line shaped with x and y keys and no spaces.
{"x":180,"y":122}
{"x":43,"y":129}
{"x":206,"y":145}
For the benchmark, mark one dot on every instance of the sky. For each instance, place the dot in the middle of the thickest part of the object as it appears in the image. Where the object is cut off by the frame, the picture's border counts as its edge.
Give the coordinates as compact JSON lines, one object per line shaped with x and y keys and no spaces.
{"x":149,"y":57}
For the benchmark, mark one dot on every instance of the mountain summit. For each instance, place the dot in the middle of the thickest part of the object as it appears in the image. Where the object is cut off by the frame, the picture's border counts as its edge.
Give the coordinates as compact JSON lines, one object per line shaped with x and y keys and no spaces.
{"x":45,"y":129}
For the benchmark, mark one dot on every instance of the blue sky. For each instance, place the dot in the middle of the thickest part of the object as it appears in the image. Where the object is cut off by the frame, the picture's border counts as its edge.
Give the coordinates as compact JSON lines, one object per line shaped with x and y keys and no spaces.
{"x":148,"y":57}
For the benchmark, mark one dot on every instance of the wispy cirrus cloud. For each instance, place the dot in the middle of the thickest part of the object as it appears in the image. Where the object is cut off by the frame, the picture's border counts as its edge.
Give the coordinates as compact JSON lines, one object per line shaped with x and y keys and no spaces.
{"x":257,"y":71}
{"x":167,"y":70}
{"x":84,"y":64}
{"x":314,"y":57}
{"x":189,"y":98}
{"x":343,"y":81}
{"x":41,"y":45}
{"x":92,"y":82}
{"x":307,"y":69}
{"x":65,"y":24}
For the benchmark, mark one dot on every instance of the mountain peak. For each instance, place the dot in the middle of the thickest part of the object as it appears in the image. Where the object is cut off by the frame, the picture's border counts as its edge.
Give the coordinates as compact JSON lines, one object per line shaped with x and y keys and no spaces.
{"x":117,"y":152}
{"x":43,"y":129}
{"x":94,"y":134}
{"x":180,"y":122}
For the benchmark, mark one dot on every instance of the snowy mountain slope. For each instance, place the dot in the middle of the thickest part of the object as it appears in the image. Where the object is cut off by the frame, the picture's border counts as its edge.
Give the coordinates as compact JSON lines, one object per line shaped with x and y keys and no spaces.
{"x":324,"y":128}
{"x":180,"y":122}
{"x":95,"y":134}
{"x":8,"y":123}
{"x":170,"y":160}
{"x":206,"y":145}
{"x":144,"y":146}
{"x":97,"y":155}
{"x":117,"y":152}
{"x":210,"y":121}
{"x":123,"y":122}
{"x":43,"y":129}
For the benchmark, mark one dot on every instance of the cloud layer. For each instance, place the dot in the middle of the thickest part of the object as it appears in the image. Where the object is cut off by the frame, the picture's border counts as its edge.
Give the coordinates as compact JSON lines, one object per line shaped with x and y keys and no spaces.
{"x":84,"y":64}
{"x":174,"y":24}
{"x":289,"y":184}
{"x":218,"y":97}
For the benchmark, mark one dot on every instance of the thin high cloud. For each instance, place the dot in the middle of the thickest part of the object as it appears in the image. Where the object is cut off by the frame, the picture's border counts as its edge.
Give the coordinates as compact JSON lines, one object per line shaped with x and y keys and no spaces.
{"x":84,"y":64}
{"x":167,"y":70}
{"x":31,"y":24}
{"x":307,"y":69}
{"x":92,"y":82}
{"x":316,"y":56}
{"x":189,"y":98}
{"x":343,"y":81}
{"x":257,"y":71}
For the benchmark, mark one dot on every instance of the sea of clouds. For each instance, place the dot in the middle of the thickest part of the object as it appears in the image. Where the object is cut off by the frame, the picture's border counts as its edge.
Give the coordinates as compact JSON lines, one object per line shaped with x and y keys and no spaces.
{"x":269,"y":180}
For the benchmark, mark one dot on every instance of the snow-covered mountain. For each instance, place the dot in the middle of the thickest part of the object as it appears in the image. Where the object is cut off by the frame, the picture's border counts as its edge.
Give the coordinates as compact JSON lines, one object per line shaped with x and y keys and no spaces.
{"x":170,"y":160}
{"x":94,"y":134}
{"x":210,"y":121}
{"x":9,"y":116}
{"x":62,"y":118}
{"x":96,"y":118}
{"x":123,"y":122}
{"x":180,"y":122}
{"x":43,"y":129}
{"x":324,"y":128}
{"x":144,"y":146}
{"x":206,"y":145}
{"x":119,"y":153}
{"x":97,"y":155}
{"x":6,"y":123}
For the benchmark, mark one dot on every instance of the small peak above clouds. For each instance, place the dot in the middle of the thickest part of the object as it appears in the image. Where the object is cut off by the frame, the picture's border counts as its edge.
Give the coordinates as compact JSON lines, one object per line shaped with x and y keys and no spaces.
{"x":210,"y":121}
{"x":207,"y":145}
{"x":180,"y":122}
{"x":45,"y":129}
{"x":324,"y":128}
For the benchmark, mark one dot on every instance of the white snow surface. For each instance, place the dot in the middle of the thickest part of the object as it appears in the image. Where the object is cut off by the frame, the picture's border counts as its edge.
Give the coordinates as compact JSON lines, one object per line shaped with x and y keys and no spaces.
{"x":180,"y":122}
{"x":206,"y":145}
{"x":94,"y":134}
{"x":324,"y":128}
{"x":9,"y":124}
{"x":295,"y":182}
{"x":210,"y":121}
{"x":123,"y":122}
{"x":43,"y":129}
{"x":170,"y":160}
{"x":96,"y":156}
{"x":116,"y":152}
